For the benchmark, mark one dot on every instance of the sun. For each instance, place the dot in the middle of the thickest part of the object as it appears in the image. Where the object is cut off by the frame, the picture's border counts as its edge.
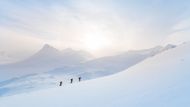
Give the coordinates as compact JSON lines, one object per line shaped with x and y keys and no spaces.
{"x":95,"y":42}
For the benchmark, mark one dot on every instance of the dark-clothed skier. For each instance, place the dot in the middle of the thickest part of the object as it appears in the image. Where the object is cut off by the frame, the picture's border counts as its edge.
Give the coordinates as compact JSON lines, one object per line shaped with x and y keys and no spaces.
{"x":80,"y":79}
{"x":60,"y":84}
{"x":71,"y":80}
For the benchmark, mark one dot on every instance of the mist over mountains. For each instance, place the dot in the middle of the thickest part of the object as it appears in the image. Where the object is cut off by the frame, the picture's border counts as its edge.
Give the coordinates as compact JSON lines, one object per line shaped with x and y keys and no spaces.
{"x":49,"y":65}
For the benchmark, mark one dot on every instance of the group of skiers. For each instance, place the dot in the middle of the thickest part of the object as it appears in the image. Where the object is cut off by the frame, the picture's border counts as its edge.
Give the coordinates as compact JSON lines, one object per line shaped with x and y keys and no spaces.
{"x":71,"y":81}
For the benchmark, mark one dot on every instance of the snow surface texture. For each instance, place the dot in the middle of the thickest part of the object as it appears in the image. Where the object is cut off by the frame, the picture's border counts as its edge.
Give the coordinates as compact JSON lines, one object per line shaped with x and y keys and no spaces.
{"x":159,"y":81}
{"x":49,"y":58}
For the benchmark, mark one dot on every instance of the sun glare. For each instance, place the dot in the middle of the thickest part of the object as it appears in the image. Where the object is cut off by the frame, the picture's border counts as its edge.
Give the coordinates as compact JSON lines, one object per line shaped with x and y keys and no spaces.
{"x":96,"y":42}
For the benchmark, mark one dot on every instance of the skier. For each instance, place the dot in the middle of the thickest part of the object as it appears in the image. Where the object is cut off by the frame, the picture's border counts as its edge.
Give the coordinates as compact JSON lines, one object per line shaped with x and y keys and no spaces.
{"x":71,"y":80}
{"x":80,"y":79}
{"x":60,"y":84}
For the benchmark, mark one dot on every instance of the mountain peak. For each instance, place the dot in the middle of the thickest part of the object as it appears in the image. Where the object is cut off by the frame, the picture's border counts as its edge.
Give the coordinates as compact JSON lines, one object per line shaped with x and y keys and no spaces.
{"x":68,"y":50}
{"x":47,"y":49}
{"x":47,"y":46}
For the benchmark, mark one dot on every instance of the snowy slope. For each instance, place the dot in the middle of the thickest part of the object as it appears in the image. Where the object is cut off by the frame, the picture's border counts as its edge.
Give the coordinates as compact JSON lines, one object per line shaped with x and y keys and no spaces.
{"x":160,"y":81}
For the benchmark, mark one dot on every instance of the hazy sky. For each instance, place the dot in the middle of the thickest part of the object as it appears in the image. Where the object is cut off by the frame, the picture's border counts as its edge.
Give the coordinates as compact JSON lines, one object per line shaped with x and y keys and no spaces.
{"x":98,"y":26}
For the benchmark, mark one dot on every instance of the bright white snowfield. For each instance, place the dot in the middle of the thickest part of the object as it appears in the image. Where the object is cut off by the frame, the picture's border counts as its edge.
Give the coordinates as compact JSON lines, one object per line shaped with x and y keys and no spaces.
{"x":159,"y":81}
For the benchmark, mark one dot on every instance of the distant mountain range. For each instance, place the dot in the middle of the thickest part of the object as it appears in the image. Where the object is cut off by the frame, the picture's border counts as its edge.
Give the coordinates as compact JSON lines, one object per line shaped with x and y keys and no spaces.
{"x":48,"y":58}
{"x":49,"y":65}
{"x":110,"y":64}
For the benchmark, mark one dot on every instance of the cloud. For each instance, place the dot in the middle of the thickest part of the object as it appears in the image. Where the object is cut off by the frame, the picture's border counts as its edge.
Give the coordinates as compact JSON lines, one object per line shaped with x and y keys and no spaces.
{"x":66,"y":23}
